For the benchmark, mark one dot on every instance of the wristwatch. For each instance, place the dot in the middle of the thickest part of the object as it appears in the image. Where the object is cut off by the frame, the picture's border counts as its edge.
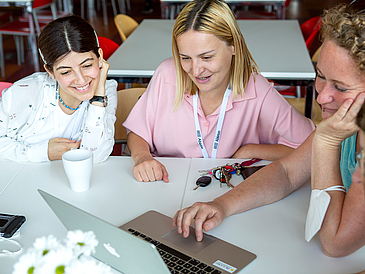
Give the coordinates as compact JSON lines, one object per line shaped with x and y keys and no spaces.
{"x":99,"y":101}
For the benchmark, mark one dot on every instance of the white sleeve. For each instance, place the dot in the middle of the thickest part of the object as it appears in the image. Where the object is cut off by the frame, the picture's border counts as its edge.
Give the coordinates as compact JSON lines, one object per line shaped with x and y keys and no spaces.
{"x":98,"y":128}
{"x":11,"y":148}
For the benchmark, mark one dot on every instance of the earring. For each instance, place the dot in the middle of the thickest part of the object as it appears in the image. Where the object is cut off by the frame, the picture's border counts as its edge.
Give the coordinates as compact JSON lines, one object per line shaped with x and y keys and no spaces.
{"x":101,"y":64}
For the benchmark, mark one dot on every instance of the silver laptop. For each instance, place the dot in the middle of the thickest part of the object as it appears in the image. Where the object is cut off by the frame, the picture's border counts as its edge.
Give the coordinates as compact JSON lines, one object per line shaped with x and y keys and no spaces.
{"x":150,"y":244}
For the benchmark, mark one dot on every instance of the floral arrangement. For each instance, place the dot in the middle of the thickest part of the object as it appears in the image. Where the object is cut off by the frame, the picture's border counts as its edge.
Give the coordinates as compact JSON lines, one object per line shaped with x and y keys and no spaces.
{"x":72,"y":256}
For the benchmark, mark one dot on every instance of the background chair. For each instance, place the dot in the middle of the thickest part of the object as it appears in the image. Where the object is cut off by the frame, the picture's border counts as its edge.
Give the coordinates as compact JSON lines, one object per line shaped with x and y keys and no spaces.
{"x":19,"y":29}
{"x":310,"y":29}
{"x":108,"y":46}
{"x":125,"y":25}
{"x":127,"y":98}
{"x":4,"y":85}
{"x":273,"y":13}
{"x":43,"y":11}
{"x":44,"y":15}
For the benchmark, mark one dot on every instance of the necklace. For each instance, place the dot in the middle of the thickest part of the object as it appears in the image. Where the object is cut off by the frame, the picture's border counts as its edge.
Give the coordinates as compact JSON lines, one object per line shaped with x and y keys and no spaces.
{"x":63,"y":103}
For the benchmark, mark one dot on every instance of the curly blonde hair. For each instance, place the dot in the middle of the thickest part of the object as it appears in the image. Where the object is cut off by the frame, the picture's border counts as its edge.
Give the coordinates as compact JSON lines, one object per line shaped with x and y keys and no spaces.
{"x":347,"y":29}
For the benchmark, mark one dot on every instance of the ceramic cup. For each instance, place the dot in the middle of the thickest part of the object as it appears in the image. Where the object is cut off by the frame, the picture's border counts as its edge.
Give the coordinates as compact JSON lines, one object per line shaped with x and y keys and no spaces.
{"x":78,"y":164}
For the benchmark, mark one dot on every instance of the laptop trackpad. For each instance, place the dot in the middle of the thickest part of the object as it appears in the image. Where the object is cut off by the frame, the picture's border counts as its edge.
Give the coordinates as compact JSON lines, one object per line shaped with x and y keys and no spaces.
{"x":189,"y":244}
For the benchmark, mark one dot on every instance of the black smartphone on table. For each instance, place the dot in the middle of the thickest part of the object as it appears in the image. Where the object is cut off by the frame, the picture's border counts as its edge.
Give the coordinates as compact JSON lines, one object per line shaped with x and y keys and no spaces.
{"x":9,"y":224}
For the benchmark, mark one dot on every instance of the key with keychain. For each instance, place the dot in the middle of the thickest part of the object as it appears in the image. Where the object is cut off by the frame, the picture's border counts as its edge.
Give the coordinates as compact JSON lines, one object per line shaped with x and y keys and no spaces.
{"x":224,"y":173}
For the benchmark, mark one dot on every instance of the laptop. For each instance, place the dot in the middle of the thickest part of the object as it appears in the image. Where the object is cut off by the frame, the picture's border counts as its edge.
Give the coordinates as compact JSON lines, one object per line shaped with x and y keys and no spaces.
{"x":150,"y":244}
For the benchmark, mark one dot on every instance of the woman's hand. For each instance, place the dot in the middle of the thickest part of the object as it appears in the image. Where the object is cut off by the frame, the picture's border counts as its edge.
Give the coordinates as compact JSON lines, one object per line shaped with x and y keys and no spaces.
{"x":100,"y":90}
{"x":340,"y":125}
{"x":58,"y":146}
{"x":148,"y":169}
{"x":206,"y":215}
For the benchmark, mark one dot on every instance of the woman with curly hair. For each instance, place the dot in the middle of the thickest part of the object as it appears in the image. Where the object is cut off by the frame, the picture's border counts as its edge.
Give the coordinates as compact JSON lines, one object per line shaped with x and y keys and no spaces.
{"x":327,"y":157}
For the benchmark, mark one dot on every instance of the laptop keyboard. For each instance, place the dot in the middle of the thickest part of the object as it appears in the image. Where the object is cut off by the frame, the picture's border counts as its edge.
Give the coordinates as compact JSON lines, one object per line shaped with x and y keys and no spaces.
{"x":176,"y":261}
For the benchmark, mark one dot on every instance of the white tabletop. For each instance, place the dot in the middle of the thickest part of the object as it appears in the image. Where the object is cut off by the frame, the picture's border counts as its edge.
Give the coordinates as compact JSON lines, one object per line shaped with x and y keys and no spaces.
{"x":274,"y":232}
{"x":277,"y":46}
{"x":114,"y":196}
{"x":8,"y":171}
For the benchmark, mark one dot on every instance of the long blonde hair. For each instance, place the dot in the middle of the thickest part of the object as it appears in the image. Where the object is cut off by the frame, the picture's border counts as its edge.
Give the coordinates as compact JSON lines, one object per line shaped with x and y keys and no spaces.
{"x":212,"y":17}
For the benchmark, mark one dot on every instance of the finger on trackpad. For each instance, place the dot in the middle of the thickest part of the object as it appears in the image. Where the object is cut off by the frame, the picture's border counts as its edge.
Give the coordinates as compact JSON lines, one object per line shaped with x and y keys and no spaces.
{"x":190,"y":243}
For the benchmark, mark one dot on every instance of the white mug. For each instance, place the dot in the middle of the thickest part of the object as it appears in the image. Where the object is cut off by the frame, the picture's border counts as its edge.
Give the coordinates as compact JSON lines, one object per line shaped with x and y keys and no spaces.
{"x":78,"y":164}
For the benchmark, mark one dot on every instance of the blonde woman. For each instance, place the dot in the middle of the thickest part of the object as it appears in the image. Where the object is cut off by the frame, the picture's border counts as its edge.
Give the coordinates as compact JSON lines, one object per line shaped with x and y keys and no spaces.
{"x":209,"y":100}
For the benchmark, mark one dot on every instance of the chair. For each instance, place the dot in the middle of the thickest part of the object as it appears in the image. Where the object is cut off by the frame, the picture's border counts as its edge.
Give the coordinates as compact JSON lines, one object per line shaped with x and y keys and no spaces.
{"x":4,"y":85}
{"x":125,"y":25}
{"x":46,"y":16}
{"x":127,"y":98}
{"x":23,"y":28}
{"x":273,"y":14}
{"x":43,"y":11}
{"x":316,"y":55}
{"x":310,"y":29}
{"x":108,"y":46}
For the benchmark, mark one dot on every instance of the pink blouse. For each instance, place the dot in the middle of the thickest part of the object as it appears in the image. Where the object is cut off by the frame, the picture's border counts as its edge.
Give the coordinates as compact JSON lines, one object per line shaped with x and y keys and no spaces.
{"x":260,"y":116}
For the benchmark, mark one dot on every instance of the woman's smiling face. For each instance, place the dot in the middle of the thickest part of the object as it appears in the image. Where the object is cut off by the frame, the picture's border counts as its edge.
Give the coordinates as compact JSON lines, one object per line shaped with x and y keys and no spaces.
{"x":206,"y":59}
{"x":338,"y":78}
{"x":78,"y":76}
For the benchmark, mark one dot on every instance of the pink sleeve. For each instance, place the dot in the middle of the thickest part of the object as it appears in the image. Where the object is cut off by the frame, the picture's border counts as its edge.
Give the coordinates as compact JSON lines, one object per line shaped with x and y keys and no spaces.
{"x":280,"y":122}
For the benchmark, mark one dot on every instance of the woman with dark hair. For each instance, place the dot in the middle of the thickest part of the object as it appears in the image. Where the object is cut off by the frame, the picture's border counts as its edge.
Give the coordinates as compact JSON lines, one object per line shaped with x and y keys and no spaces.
{"x":69,"y":106}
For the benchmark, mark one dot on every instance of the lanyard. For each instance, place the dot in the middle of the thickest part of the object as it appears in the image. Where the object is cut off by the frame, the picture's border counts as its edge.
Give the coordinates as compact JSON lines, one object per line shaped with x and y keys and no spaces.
{"x":217,"y":136}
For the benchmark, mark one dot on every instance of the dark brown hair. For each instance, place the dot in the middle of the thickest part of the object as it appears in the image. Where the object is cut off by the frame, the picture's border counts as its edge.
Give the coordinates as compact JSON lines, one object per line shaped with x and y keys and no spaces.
{"x":66,"y":34}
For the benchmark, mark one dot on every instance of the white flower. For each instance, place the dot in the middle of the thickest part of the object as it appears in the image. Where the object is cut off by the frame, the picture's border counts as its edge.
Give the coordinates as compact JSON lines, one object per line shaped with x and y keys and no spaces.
{"x":45,"y":244}
{"x":81,"y":242}
{"x":55,"y":261}
{"x":27,"y":262}
{"x":49,"y":256}
{"x":86,"y":265}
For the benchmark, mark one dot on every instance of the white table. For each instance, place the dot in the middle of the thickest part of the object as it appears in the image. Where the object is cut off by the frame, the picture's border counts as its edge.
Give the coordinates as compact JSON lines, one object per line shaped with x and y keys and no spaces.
{"x":274,"y":232}
{"x":9,"y":170}
{"x":277,"y":46}
{"x":170,"y":7}
{"x":114,"y":196}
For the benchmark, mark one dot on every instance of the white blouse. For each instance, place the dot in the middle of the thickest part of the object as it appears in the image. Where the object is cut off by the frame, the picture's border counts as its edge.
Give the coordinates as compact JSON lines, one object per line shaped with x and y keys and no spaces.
{"x":29,"y":119}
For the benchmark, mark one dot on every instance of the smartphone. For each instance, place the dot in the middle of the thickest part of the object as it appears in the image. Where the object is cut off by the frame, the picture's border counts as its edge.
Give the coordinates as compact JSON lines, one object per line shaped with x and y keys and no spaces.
{"x":9,"y":224}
